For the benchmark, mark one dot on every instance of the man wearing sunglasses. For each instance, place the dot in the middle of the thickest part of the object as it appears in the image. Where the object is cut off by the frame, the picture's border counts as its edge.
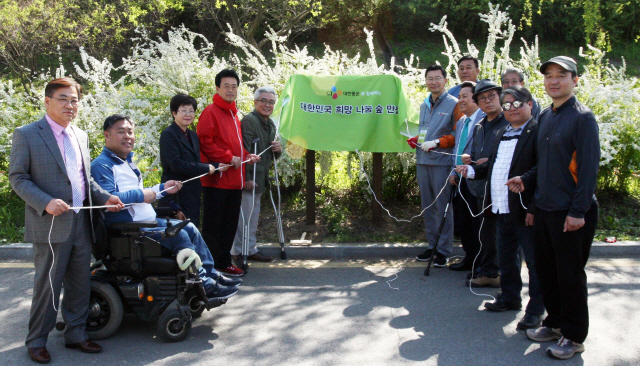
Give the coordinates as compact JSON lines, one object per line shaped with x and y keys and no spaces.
{"x":514,"y":155}
{"x":256,"y":124}
{"x":512,"y":77}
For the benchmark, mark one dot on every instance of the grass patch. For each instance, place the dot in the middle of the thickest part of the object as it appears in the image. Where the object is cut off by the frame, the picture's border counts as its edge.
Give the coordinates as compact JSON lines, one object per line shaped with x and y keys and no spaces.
{"x":619,"y":216}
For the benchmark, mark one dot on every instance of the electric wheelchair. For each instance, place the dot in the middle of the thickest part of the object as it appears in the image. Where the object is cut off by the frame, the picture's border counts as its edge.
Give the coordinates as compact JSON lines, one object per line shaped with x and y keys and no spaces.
{"x":133,"y":273}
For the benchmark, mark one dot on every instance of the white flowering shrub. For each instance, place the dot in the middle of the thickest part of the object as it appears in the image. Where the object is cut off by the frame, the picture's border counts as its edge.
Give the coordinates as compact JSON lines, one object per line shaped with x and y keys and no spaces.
{"x":187,"y":63}
{"x":612,"y":95}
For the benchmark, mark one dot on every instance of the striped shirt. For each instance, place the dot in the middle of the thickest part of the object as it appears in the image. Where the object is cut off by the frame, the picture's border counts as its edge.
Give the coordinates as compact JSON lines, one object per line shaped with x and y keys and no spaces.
{"x":501,"y":167}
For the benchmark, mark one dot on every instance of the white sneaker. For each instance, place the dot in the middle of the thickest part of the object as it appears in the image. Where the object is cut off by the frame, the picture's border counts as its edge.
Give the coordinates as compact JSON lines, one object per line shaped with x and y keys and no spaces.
{"x":543,"y":334}
{"x":565,"y":349}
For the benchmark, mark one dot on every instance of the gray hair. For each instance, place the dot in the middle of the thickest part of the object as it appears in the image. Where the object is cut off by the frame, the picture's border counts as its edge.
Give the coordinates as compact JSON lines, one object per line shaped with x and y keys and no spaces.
{"x":512,"y":71}
{"x":264,"y":89}
{"x":518,"y":93}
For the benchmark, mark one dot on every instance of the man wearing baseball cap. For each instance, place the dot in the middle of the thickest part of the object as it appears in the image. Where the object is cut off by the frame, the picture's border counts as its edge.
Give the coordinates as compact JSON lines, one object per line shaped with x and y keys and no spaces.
{"x":566,"y":208}
{"x":486,"y":136}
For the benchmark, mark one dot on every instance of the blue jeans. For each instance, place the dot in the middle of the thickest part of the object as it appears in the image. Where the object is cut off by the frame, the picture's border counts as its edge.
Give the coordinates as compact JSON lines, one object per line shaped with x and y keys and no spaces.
{"x":190,"y":238}
{"x":511,"y":235}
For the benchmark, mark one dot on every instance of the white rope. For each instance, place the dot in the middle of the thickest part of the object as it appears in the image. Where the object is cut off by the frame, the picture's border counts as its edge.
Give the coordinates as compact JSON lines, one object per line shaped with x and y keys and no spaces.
{"x":400,"y":269}
{"x":53,"y":260}
{"x":109,"y":206}
{"x":523,"y":206}
{"x":384,"y":208}
{"x":104,"y":206}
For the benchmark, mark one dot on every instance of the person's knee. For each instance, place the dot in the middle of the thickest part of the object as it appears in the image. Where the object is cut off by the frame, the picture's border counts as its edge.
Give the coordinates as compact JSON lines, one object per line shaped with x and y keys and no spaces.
{"x":184,"y":242}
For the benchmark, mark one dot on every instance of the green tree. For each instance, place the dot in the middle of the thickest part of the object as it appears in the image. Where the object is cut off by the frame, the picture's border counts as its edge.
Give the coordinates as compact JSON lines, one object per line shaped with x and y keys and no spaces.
{"x":249,"y":18}
{"x":31,"y":30}
{"x":376,"y":15}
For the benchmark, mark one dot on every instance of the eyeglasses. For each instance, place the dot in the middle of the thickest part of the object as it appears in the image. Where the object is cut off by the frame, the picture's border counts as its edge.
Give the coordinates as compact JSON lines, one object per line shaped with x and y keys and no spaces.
{"x":65,"y":101}
{"x":267,"y":102}
{"x":489,"y":97}
{"x":508,"y":83}
{"x":185,"y":111}
{"x":436,"y":79}
{"x":517,"y":104}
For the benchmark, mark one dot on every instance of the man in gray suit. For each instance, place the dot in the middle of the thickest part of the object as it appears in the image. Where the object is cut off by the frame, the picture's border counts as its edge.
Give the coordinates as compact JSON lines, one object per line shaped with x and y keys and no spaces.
{"x":49,"y":170}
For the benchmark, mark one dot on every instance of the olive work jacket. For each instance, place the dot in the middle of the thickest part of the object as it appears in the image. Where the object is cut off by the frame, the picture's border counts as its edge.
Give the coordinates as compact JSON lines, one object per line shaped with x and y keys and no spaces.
{"x":255,"y":126}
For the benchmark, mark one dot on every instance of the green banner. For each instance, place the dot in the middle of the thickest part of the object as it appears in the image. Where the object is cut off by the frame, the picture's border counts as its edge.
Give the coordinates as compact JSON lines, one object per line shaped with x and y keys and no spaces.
{"x":345,"y":113}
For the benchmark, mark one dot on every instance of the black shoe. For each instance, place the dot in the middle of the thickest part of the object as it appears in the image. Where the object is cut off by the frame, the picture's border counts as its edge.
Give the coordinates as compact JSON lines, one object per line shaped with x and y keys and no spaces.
{"x":221,"y":292}
{"x":226,"y":281}
{"x":460,"y":266}
{"x":529,"y":321}
{"x":501,"y":305}
{"x":424,"y":257}
{"x":440,"y":260}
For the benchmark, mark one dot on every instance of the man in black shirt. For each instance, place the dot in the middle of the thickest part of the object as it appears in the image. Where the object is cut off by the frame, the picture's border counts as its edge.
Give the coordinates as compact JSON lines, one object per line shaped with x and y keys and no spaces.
{"x":566,"y":208}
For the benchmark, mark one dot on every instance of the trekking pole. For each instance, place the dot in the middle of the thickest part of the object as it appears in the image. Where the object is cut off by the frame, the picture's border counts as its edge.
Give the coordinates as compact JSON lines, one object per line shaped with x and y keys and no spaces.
{"x":247,"y":223}
{"x":278,"y":211}
{"x":435,"y":245}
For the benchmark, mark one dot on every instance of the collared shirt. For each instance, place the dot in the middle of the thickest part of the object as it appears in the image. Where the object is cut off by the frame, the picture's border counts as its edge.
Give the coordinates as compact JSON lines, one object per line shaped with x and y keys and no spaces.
{"x":473,"y":118}
{"x":501,"y":167}
{"x":57,"y":133}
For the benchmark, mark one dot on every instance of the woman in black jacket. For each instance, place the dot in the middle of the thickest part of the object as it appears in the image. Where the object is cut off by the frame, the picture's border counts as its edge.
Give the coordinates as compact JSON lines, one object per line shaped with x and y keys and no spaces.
{"x":180,"y":158}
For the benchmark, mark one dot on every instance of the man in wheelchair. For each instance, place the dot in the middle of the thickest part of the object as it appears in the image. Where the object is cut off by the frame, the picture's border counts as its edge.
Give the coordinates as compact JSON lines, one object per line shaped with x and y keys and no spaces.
{"x":116,"y":173}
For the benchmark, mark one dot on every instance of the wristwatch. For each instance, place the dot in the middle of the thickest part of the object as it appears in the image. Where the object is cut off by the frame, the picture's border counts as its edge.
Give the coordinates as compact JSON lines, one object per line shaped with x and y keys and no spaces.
{"x":438,"y":142}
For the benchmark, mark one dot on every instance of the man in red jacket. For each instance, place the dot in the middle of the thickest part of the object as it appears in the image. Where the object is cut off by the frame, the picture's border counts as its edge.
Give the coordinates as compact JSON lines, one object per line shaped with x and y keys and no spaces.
{"x":220,"y":134}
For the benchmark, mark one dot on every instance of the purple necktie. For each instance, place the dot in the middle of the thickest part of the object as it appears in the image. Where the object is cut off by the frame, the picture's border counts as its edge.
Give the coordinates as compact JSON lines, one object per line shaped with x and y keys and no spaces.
{"x":72,"y":171}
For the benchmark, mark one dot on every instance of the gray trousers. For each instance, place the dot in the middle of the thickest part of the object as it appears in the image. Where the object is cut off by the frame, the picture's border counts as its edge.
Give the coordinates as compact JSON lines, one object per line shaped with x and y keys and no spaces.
{"x":236,"y":249}
{"x":431,"y":179}
{"x":71,"y":270}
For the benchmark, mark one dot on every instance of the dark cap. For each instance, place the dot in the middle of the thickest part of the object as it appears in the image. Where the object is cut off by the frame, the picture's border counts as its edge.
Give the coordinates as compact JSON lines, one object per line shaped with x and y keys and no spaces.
{"x":485,"y":85}
{"x":565,"y":62}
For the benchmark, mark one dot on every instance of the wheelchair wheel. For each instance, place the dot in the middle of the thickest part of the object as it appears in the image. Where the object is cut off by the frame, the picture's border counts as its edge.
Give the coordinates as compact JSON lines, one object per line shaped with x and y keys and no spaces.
{"x":105,"y":311}
{"x":169,"y":326}
{"x":195,"y":305}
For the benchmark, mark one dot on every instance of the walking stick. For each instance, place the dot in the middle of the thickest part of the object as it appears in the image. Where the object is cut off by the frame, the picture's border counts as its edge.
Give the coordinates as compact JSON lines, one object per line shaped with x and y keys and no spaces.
{"x":247,"y":224}
{"x":277,"y":210}
{"x":283,"y":254}
{"x":435,"y":245}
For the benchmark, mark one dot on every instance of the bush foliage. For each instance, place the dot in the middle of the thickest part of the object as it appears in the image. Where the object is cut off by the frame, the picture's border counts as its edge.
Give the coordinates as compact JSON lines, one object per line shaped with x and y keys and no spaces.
{"x":157,"y":68}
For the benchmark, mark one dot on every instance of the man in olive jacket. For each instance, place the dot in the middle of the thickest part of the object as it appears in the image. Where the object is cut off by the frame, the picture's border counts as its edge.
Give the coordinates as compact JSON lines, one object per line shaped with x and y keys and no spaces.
{"x":256,"y":124}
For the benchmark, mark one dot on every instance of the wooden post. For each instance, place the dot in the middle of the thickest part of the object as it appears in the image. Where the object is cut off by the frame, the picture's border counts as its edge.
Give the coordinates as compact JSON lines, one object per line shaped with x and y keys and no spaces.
{"x":376,"y":210}
{"x":311,"y":187}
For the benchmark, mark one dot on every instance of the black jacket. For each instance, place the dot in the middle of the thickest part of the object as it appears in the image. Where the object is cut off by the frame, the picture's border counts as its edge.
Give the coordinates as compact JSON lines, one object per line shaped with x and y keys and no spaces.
{"x":485,"y":138}
{"x":569,"y":158}
{"x":523,"y":164}
{"x":180,"y":160}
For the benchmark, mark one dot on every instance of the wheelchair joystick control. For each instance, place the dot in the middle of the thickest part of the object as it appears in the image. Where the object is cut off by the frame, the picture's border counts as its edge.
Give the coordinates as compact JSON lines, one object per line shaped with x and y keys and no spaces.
{"x":173,"y":230}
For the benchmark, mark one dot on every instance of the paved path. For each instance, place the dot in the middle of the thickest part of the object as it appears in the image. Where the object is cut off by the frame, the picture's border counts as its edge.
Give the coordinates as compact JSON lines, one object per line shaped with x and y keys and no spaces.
{"x":321,"y":312}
